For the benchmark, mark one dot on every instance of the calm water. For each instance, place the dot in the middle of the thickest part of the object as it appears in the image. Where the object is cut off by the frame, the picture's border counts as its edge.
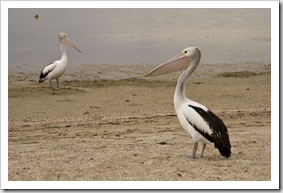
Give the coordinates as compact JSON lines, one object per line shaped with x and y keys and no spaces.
{"x":139,"y":36}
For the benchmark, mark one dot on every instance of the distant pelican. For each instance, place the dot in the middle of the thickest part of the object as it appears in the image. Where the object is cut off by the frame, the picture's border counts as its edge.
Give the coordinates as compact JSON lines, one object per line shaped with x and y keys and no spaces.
{"x":57,"y":68}
{"x":201,"y":123}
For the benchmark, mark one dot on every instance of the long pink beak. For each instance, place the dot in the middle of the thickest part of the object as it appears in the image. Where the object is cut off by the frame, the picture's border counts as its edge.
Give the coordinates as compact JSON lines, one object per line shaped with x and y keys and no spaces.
{"x":67,"y":41}
{"x":177,"y":63}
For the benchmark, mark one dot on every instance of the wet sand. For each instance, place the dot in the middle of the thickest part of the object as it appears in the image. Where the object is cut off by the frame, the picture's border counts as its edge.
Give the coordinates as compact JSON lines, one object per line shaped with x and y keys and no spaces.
{"x":95,"y":128}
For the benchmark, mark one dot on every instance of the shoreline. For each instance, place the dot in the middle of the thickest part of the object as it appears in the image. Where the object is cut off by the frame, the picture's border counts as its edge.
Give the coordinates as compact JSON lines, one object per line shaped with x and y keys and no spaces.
{"x":117,"y":72}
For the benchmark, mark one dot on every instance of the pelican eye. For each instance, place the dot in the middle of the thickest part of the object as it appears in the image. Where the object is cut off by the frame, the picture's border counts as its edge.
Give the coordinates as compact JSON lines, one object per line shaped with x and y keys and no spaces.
{"x":185,"y":51}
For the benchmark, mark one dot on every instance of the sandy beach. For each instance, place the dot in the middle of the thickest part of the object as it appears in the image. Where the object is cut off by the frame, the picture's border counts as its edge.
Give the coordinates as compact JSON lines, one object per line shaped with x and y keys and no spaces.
{"x":101,"y":127}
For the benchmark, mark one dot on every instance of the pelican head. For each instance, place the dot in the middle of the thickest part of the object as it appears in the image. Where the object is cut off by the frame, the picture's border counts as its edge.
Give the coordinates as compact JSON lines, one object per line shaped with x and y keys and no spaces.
{"x":63,"y":39}
{"x":189,"y":56}
{"x":192,"y":53}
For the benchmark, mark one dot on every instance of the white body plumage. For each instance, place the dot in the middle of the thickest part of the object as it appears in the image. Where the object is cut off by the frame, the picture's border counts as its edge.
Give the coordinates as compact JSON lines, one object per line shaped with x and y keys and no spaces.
{"x":55,"y":69}
{"x":185,"y":112}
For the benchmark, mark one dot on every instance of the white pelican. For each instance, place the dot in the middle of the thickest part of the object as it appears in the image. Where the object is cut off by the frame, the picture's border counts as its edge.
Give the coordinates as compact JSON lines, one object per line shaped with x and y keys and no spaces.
{"x":57,"y":68}
{"x":201,"y":123}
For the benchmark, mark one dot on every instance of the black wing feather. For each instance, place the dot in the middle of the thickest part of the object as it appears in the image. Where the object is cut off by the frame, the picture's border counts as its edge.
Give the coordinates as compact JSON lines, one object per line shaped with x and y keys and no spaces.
{"x":220,"y":134}
{"x":203,"y":133}
{"x":46,"y":70}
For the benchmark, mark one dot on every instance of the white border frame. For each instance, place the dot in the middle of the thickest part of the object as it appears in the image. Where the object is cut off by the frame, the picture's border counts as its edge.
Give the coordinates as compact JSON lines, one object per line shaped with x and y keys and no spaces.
{"x":273,"y":184}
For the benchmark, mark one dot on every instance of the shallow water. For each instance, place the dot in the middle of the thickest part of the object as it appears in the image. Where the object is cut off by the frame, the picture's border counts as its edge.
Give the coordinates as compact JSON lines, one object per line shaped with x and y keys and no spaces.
{"x":138,"y":36}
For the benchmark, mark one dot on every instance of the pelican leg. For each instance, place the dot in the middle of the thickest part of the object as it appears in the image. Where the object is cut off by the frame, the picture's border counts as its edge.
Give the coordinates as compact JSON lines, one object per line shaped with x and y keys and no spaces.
{"x":50,"y":84}
{"x":195,"y":150}
{"x":202,"y":150}
{"x":57,"y":80}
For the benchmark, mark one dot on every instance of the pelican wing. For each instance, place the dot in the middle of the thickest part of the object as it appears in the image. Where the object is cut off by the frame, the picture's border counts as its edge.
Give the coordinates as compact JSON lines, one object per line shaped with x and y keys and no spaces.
{"x":218,"y":131}
{"x":47,"y":69}
{"x":196,"y":120}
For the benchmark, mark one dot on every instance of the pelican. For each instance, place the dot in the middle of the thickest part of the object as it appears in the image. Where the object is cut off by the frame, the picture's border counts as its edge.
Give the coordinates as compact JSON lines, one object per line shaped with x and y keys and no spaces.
{"x":57,"y":68}
{"x":200,"y":122}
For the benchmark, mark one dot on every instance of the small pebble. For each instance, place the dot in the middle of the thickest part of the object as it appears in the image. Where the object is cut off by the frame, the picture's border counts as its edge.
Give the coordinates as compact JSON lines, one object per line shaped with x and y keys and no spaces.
{"x":163,"y":143}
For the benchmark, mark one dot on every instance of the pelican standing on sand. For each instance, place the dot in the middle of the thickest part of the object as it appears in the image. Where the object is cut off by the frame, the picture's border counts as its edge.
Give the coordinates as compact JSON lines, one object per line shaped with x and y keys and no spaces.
{"x":57,"y":68}
{"x":201,"y":123}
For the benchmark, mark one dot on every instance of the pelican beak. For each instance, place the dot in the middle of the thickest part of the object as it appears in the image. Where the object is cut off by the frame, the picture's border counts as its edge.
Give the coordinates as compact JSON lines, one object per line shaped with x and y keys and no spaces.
{"x":67,"y":41}
{"x":177,"y":63}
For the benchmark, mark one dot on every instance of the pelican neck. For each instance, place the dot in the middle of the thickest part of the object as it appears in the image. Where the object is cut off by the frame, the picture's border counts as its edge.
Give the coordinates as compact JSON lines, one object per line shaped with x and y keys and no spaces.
{"x":181,"y":84}
{"x":63,"y":50}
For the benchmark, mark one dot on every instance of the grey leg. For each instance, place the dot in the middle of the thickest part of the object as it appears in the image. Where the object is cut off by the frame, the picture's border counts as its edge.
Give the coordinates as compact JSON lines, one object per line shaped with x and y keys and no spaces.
{"x":57,"y":80}
{"x":195,"y":150}
{"x":202,"y":150}
{"x":50,"y":84}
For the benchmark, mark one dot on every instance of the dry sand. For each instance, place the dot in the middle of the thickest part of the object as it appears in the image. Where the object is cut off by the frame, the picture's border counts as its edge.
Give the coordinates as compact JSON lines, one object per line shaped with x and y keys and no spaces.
{"x":126,"y":129}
